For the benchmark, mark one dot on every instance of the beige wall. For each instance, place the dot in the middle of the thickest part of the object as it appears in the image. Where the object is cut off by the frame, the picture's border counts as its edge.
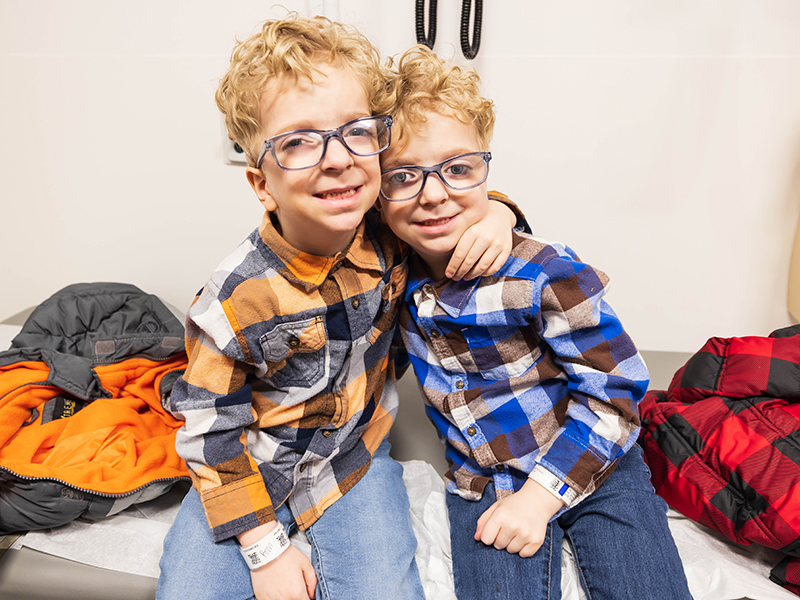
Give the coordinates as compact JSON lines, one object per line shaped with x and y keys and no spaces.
{"x":660,"y":139}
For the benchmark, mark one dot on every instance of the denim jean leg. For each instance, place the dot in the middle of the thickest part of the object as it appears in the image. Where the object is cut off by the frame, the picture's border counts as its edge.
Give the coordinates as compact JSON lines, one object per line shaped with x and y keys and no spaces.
{"x":482,"y":572}
{"x":621,"y":539}
{"x":363,"y":545}
{"x":194,"y":566}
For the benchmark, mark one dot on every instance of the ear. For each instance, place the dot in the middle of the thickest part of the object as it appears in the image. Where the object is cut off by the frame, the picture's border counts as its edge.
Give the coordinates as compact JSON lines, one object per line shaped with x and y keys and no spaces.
{"x":257,"y":180}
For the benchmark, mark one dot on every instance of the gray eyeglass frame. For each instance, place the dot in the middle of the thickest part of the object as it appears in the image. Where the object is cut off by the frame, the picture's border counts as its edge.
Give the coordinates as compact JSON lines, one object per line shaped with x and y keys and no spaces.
{"x":269,"y":144}
{"x":486,"y":156}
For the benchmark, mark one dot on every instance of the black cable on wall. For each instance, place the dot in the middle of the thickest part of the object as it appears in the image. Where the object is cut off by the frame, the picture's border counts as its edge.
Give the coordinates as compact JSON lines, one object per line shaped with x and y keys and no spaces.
{"x":470,"y":50}
{"x":430,"y":39}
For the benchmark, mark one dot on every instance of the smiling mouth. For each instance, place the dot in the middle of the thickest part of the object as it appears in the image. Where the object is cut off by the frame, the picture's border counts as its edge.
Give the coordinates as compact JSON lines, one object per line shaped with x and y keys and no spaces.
{"x":343,"y":195}
{"x":434,"y":222}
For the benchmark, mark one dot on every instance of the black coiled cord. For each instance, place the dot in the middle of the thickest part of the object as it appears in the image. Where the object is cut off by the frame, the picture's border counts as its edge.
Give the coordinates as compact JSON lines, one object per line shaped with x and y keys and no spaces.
{"x":470,"y":50}
{"x":430,"y":39}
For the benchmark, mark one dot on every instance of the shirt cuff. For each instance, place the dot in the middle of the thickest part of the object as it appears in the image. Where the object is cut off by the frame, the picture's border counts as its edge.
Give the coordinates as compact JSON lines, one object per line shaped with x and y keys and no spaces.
{"x":553,"y":484}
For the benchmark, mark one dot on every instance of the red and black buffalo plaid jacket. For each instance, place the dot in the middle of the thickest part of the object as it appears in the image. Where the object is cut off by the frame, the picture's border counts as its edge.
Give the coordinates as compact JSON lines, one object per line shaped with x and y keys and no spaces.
{"x":723,"y":443}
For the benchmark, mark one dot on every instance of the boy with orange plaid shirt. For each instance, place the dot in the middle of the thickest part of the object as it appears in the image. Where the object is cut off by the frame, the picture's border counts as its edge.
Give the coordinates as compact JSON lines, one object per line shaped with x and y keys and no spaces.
{"x":289,"y":393}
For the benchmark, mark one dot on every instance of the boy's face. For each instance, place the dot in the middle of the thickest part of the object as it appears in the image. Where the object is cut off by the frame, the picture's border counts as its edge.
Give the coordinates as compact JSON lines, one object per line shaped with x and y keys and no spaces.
{"x":318,"y":208}
{"x":433,"y":222}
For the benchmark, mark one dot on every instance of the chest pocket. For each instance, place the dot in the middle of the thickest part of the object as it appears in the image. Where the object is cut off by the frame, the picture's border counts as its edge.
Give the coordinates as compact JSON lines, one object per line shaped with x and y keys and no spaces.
{"x":501,"y":352}
{"x":295,"y":353}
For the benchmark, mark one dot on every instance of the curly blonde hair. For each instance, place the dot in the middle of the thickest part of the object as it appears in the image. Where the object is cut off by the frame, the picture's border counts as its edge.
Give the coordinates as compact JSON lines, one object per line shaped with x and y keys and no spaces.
{"x":296,"y":46}
{"x":420,"y":81}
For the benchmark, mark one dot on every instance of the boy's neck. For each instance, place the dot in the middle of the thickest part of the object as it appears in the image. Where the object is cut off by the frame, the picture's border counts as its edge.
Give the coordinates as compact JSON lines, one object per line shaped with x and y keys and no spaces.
{"x":435,"y":268}
{"x":328,"y":250}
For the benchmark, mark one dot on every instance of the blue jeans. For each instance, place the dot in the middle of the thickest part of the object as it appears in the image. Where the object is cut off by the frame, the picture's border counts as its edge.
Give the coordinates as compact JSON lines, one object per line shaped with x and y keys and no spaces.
{"x":362,"y":547}
{"x":619,"y":535}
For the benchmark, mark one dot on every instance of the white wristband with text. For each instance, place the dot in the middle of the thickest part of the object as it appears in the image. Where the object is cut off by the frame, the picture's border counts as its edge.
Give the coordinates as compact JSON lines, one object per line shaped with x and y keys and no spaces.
{"x":553,"y":484}
{"x":267,"y":549}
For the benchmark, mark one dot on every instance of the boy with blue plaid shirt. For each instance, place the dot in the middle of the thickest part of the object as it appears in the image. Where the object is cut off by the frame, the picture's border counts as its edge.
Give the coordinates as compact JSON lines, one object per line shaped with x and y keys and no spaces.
{"x":528,"y":374}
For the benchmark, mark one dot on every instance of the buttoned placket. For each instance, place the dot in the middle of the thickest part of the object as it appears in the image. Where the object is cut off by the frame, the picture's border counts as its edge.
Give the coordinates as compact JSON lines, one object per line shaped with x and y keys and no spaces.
{"x":460,"y":412}
{"x":324,"y":441}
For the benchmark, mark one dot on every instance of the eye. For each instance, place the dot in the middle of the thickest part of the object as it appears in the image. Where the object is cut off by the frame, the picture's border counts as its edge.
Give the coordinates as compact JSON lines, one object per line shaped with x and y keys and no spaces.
{"x":401,"y":178}
{"x":297,"y":142}
{"x":360,"y":132}
{"x":458,"y":170}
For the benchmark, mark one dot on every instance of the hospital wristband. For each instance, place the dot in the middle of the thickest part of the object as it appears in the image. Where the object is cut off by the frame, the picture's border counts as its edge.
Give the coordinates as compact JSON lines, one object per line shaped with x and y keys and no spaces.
{"x":553,"y":484}
{"x":267,"y":549}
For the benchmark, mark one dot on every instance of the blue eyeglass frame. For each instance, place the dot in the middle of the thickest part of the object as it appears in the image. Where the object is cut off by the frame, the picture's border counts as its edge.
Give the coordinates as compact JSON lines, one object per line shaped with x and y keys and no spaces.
{"x":486,"y":156}
{"x":269,"y":145}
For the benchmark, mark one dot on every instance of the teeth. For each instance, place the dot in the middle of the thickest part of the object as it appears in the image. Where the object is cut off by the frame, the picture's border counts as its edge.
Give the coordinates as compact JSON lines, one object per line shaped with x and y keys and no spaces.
{"x":436,"y":221}
{"x":346,"y":194}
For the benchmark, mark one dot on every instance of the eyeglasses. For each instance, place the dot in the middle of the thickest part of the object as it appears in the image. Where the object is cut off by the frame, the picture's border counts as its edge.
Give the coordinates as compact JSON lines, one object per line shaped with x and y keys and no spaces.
{"x":462,"y":172}
{"x":305,"y":148}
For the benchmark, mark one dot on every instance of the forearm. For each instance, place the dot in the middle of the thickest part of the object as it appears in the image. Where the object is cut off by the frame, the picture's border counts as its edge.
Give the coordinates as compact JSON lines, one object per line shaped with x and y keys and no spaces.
{"x":605,"y":376}
{"x":501,"y":211}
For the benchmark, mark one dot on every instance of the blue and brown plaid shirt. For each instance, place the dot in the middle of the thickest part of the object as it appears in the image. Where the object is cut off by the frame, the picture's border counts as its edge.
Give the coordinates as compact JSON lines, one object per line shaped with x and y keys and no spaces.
{"x":289,"y":389}
{"x":527,"y":367}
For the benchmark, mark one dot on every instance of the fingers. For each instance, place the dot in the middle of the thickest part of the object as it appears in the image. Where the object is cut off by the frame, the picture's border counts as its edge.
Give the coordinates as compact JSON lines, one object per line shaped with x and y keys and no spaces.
{"x":466,"y":253}
{"x":477,"y":259}
{"x":311,"y":580}
{"x":529,"y":550}
{"x":497,"y":528}
{"x":287,"y":577}
{"x":482,"y":522}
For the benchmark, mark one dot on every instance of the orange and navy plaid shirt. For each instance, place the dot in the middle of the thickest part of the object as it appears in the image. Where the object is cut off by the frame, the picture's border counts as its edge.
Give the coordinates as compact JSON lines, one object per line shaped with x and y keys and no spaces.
{"x":289,"y":389}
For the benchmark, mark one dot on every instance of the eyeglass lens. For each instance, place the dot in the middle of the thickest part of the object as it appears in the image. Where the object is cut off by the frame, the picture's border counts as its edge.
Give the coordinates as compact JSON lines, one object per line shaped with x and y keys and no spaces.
{"x":303,"y":149}
{"x":460,"y":173}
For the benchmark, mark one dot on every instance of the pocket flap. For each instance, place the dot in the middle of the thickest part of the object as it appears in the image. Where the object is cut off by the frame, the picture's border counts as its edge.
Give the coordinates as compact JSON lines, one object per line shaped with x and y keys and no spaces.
{"x":293,"y":337}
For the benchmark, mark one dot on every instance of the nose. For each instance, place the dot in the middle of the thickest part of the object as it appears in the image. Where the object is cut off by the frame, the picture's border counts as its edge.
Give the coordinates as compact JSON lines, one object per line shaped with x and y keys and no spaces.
{"x":434,"y":190}
{"x":337,"y":156}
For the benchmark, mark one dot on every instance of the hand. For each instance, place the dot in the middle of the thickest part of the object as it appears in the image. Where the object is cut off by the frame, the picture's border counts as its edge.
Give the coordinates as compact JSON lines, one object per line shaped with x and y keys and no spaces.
{"x":518,"y":522}
{"x":289,"y":577}
{"x":485,"y":246}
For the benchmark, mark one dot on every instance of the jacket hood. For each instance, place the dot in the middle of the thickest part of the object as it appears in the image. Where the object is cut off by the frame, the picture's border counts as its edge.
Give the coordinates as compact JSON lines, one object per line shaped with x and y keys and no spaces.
{"x":89,"y":324}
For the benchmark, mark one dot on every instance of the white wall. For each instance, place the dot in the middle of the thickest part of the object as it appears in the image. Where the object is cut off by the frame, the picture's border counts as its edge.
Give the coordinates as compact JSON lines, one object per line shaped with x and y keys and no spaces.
{"x":660,"y":139}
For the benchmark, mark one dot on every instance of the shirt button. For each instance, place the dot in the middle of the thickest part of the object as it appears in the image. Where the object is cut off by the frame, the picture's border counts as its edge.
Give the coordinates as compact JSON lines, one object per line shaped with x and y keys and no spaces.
{"x":471,"y":430}
{"x":302,"y":467}
{"x":355,"y":303}
{"x":501,"y":468}
{"x":435,"y":333}
{"x":460,"y":384}
{"x":294,"y":341}
{"x":327,"y":433}
{"x":427,"y":288}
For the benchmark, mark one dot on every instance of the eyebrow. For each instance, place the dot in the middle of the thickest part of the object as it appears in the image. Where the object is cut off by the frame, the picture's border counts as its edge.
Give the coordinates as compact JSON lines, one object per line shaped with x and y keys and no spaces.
{"x":306,"y":124}
{"x":393,"y":163}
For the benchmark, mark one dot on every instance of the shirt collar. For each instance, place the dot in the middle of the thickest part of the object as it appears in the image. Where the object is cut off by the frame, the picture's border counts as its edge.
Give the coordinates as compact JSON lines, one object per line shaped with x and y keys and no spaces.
{"x":310,"y":270}
{"x":451,"y":295}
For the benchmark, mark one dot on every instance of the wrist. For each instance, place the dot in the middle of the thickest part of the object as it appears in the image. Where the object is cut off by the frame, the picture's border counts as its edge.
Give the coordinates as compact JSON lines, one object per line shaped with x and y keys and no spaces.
{"x":251,"y":536}
{"x":502,"y":208}
{"x":267,"y":548}
{"x":553,"y":484}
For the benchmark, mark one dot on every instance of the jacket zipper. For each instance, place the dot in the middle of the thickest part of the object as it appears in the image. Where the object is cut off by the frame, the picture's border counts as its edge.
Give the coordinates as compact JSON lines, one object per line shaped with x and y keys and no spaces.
{"x":93,"y":492}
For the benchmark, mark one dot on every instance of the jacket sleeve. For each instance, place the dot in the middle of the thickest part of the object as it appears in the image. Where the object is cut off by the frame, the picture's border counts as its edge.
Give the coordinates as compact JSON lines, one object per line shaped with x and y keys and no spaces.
{"x":606,"y":376}
{"x":215,"y":401}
